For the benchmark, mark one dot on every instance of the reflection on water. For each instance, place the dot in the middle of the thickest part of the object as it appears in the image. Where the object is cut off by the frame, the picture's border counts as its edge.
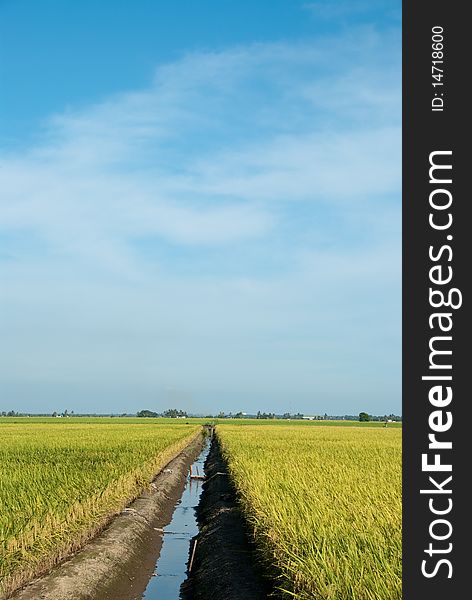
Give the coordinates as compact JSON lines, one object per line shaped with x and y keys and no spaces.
{"x":171,"y":567}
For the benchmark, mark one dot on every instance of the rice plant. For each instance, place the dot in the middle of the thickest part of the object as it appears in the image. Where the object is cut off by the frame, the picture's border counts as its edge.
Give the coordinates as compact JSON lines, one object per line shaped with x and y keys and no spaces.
{"x":60,"y":483}
{"x":324,"y":506}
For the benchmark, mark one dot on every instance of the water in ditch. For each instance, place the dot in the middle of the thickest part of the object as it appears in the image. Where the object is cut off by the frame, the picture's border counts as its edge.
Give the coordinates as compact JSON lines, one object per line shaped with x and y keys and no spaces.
{"x":171,"y":566}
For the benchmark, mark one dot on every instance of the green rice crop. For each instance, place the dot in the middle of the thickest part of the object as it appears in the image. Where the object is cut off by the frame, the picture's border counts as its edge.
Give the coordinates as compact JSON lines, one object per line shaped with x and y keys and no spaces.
{"x":324,"y":506}
{"x":61,"y":483}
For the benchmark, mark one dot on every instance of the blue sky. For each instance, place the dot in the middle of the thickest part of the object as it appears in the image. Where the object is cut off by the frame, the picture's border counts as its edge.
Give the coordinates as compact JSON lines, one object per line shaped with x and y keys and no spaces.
{"x":200,"y":206}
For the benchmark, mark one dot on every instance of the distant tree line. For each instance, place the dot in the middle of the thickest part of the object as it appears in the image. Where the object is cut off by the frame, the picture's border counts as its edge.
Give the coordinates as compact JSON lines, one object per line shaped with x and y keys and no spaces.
{"x":363,"y":417}
{"x":171,"y":413}
{"x":177,"y":413}
{"x":147,"y":413}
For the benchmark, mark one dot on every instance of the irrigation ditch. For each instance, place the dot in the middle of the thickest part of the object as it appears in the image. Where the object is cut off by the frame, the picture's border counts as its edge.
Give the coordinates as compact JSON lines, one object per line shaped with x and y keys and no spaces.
{"x":223,"y":563}
{"x":183,"y":538}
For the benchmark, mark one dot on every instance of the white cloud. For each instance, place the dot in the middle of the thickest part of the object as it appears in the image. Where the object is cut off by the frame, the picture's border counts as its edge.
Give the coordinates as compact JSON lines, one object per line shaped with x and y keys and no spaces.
{"x":308,"y":167}
{"x":151,"y":162}
{"x":224,"y":151}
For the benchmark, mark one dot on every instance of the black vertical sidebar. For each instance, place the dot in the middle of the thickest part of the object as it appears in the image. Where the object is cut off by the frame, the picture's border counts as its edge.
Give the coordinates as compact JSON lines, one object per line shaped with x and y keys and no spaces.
{"x":429,"y":536}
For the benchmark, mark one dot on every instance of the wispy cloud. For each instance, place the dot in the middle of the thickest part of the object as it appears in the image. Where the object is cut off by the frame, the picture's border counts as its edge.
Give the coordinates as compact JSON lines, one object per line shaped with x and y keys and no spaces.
{"x":262,"y":154}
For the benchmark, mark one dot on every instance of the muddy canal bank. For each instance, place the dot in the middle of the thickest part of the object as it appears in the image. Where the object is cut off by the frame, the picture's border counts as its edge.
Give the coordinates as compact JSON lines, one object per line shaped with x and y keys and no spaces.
{"x":118,"y":564}
{"x":225,"y":566}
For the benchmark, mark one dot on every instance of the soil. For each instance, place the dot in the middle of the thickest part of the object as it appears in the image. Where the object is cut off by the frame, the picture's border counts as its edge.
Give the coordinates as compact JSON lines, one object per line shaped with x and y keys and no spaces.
{"x":225,"y":564}
{"x":118,"y":564}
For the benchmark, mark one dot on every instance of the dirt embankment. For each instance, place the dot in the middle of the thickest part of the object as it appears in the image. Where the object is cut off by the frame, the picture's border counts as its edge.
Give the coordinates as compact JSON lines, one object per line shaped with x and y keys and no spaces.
{"x":118,"y":563}
{"x":225,"y":565}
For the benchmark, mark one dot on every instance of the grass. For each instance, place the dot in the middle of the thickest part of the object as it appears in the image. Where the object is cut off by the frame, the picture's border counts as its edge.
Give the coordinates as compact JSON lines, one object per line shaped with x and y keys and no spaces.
{"x":324,"y":505}
{"x":61,"y":483}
